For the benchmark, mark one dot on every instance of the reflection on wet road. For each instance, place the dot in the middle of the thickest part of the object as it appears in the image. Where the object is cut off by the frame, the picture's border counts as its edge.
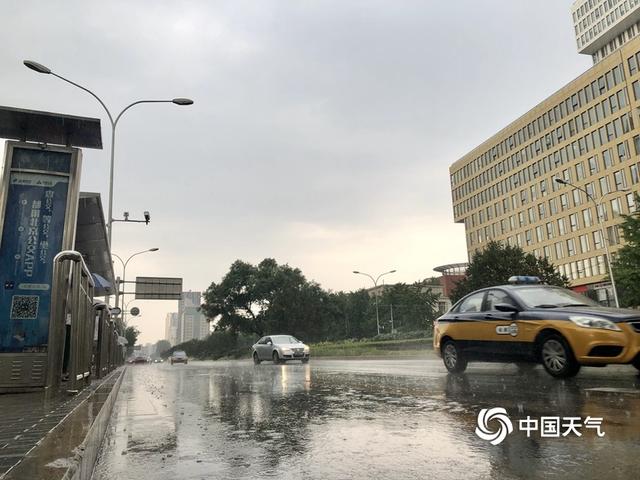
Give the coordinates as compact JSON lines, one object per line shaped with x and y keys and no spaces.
{"x":380,"y":419}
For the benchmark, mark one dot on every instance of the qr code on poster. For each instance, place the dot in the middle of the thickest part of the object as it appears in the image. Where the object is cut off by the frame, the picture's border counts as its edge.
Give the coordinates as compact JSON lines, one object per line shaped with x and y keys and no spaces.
{"x":24,"y":307}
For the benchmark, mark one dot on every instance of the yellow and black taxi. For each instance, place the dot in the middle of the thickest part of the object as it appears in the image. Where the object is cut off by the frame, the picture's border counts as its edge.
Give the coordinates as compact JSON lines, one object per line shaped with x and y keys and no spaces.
{"x":526,"y":322}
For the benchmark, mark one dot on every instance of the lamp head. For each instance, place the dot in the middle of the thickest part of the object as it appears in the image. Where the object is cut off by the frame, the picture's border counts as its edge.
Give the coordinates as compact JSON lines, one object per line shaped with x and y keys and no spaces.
{"x":182,"y":101}
{"x":36,"y":67}
{"x":560,"y":181}
{"x":355,"y":271}
{"x":154,"y":249}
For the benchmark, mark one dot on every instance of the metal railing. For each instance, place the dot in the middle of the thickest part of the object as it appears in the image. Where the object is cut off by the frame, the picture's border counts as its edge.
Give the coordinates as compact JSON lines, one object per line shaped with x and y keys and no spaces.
{"x":82,"y":336}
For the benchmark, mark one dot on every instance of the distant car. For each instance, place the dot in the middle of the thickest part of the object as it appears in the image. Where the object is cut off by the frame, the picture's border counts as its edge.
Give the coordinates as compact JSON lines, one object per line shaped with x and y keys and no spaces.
{"x":526,"y":322}
{"x":179,"y":356}
{"x":138,"y":359}
{"x":279,"y":348}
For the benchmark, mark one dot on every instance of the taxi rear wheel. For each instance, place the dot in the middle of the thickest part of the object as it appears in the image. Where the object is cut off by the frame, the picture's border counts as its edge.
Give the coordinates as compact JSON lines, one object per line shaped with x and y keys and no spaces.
{"x":557,"y":358}
{"x":636,"y":362}
{"x":453,"y":357}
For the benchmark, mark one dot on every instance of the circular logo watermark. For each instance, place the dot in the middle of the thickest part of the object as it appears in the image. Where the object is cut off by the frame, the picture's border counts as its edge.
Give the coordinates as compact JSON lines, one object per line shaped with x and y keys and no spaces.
{"x":498,"y":414}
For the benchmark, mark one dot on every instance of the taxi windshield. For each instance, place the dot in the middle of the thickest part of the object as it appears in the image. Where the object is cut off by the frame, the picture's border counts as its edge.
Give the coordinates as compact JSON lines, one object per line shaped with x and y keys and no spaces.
{"x":549,"y":297}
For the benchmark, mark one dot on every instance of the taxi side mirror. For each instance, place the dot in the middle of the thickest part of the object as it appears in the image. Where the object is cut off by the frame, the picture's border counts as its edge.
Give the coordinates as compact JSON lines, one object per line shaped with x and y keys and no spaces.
{"x":506,"y":307}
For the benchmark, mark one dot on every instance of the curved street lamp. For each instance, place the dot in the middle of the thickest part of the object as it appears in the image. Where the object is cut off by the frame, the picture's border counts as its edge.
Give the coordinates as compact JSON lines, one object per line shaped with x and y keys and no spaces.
{"x":37,"y":67}
{"x":375,"y":285}
{"x":124,"y":273}
{"x":598,"y":205}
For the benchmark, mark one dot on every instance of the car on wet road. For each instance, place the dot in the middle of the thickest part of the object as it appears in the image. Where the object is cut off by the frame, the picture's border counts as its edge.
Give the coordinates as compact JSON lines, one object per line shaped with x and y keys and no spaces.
{"x":179,"y":356}
{"x":526,"y":322}
{"x":279,"y":349}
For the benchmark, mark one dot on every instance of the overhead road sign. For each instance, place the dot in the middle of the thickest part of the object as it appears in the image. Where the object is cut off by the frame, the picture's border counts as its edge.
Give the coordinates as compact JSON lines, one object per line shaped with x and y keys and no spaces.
{"x":158,"y":288}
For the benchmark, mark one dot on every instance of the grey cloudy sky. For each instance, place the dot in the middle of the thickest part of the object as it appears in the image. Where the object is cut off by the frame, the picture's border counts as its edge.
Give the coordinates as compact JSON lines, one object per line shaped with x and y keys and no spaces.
{"x":322,"y":131}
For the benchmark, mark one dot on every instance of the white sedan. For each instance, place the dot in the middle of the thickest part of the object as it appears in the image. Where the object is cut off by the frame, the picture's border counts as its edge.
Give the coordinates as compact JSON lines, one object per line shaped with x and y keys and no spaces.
{"x":280,"y":348}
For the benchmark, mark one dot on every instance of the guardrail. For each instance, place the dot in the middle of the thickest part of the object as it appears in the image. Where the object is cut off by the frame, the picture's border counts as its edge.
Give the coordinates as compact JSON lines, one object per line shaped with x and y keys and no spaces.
{"x":82,"y":336}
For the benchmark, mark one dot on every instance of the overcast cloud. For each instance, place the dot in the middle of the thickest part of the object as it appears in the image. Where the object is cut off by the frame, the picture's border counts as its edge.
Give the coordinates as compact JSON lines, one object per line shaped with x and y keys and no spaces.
{"x":322,"y":131}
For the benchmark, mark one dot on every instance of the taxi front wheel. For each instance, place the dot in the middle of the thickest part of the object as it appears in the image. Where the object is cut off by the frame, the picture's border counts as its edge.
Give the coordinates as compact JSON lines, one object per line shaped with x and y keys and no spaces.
{"x":557,"y":358}
{"x":453,"y":357}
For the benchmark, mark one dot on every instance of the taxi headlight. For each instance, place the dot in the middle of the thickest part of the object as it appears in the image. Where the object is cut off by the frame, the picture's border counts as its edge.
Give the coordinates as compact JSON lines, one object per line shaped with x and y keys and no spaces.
{"x":595,"y":322}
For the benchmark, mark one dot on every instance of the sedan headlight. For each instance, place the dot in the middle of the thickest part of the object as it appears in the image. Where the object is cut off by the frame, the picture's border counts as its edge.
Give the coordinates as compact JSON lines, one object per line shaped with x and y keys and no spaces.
{"x":595,"y":322}
{"x":306,"y":349}
{"x":287,"y":351}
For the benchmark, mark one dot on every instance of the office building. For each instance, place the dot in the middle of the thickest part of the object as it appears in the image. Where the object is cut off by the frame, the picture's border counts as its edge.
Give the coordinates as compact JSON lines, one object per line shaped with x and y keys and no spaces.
{"x":603,"y":26}
{"x":171,"y":328}
{"x":192,"y":323}
{"x":586,"y":133}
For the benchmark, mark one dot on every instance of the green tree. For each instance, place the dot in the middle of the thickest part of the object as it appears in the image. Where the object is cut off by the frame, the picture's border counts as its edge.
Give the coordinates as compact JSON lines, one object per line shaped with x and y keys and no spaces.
{"x":497,"y":262}
{"x":626,"y":265}
{"x":131,"y":334}
{"x":162,"y":346}
{"x":414,"y":307}
{"x":266,"y":298}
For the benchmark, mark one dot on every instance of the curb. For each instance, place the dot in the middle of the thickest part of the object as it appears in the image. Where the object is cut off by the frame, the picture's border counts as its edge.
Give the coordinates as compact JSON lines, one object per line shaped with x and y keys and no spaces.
{"x":70,"y":450}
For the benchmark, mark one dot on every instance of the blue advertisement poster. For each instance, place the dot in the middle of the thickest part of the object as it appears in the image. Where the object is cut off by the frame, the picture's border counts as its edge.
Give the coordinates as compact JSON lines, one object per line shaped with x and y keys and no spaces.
{"x":32,"y":236}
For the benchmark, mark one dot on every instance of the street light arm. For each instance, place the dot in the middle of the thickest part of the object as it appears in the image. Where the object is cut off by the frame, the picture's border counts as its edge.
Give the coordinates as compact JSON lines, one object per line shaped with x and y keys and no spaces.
{"x":584,"y":190}
{"x":383,"y":274}
{"x":137,"y":253}
{"x":118,"y":257}
{"x":89,"y":92}
{"x":375,"y":283}
{"x":136,"y":103}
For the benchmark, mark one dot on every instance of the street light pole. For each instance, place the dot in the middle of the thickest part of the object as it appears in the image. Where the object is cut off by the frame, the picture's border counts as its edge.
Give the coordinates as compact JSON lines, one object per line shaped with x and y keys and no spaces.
{"x":598,"y":206}
{"x":114,"y":122}
{"x":375,"y":285}
{"x":124,"y":274}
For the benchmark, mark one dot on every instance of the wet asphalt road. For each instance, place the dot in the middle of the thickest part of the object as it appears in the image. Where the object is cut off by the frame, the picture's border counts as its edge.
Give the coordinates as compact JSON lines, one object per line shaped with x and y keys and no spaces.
{"x":364,"y":419}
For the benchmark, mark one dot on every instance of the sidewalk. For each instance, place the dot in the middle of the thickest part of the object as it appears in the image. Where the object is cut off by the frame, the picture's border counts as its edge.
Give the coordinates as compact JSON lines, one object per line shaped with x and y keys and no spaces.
{"x":28,"y":421}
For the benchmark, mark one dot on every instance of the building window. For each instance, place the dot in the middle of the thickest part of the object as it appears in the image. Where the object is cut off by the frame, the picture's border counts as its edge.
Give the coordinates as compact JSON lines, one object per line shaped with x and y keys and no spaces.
{"x":549,"y":230}
{"x":607,"y":159}
{"x":584,"y":243}
{"x":604,"y":186}
{"x":613,"y":235}
{"x":573,"y":222}
{"x":559,"y":251}
{"x":562,"y":229}
{"x":616,"y":208}
{"x":564,"y":201}
{"x":631,"y":202}
{"x":622,"y":151}
{"x":586,"y":217}
{"x":620,"y":180}
{"x":539,"y":236}
{"x":577,"y":197}
{"x":571,"y":247}
{"x":546,"y":250}
{"x":593,"y":164}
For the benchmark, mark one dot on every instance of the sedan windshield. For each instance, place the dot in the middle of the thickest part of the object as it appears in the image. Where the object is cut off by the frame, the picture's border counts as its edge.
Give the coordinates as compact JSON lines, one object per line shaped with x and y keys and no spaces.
{"x":278,"y":339}
{"x":550,"y":297}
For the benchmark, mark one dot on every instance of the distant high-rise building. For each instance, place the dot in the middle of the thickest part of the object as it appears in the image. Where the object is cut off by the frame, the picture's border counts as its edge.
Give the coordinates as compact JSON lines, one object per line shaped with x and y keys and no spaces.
{"x":171,"y":328}
{"x":603,"y":26}
{"x":192,"y":323}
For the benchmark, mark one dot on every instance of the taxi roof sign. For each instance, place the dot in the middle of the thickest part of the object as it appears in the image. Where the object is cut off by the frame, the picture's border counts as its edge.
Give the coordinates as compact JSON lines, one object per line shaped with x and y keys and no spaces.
{"x":524,"y":280}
